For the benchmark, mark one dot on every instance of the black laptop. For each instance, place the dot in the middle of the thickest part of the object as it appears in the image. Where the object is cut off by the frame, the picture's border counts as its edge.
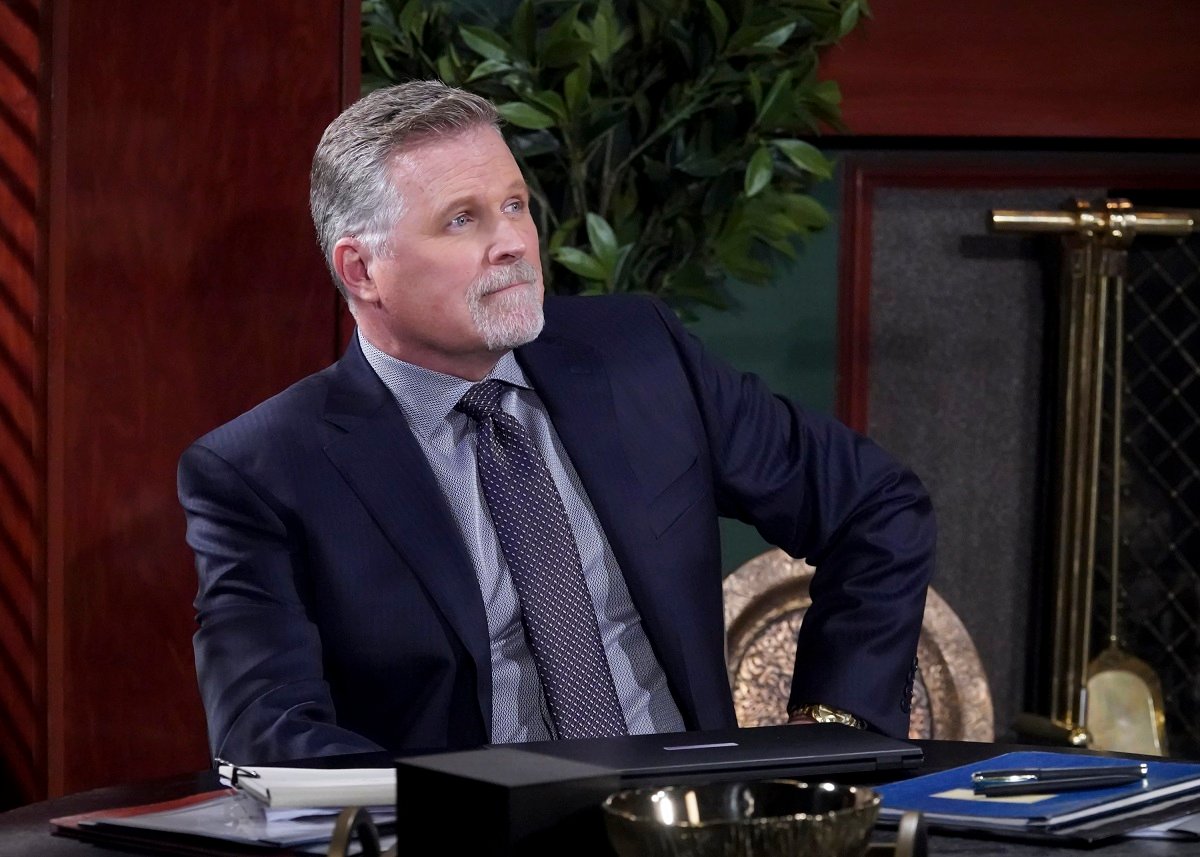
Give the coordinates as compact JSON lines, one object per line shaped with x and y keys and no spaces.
{"x":765,"y":751}
{"x":543,"y":798}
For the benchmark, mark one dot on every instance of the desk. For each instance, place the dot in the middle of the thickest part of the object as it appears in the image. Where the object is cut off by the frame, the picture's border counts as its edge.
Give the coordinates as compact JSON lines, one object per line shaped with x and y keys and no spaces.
{"x":25,"y":832}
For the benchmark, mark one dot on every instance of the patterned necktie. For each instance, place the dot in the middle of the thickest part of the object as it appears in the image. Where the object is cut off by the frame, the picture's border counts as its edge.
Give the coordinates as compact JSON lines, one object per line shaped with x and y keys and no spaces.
{"x":535,"y":536}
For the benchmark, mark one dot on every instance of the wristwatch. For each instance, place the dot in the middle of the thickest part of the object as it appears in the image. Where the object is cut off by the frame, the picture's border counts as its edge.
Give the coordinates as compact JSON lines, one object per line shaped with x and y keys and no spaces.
{"x":827,"y":714}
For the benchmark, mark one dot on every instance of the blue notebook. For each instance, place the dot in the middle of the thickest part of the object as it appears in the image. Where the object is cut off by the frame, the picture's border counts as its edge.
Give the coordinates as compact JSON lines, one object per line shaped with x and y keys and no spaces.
{"x":948,"y":801}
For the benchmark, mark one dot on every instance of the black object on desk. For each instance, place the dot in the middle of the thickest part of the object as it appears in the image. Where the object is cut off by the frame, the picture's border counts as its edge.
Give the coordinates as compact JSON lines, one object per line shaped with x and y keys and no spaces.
{"x":545,"y":796}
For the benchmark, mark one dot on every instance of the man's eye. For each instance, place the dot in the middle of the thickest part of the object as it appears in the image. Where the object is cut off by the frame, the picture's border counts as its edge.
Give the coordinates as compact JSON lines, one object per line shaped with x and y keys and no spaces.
{"x":460,"y":221}
{"x":515,"y":206}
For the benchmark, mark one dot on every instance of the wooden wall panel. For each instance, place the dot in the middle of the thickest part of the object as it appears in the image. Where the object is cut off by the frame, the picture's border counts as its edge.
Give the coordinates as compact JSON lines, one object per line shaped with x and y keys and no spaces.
{"x":21,"y":406}
{"x":185,"y":287}
{"x":1022,"y":68}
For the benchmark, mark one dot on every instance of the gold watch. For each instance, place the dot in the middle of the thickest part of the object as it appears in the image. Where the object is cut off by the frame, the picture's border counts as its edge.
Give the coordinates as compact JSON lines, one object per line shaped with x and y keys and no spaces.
{"x":828,"y":714}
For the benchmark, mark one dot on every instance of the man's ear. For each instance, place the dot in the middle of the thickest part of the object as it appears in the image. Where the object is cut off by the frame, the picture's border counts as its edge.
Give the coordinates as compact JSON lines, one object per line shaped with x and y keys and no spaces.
{"x":352,"y":261}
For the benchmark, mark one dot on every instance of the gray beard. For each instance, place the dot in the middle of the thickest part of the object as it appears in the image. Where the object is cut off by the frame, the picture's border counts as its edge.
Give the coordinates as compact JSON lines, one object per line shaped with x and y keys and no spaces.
{"x":510,"y":319}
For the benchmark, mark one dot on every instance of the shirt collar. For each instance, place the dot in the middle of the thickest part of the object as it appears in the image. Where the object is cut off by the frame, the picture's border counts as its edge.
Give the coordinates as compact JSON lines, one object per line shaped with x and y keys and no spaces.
{"x":427,"y":397}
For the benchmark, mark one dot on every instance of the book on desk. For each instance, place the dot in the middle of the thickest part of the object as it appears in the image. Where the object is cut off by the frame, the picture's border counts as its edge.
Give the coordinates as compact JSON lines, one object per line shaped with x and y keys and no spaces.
{"x":949,"y":801}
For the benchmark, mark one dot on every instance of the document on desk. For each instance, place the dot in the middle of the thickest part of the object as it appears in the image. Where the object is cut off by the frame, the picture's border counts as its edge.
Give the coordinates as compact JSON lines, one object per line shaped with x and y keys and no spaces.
{"x":208,"y":823}
{"x":950,"y":800}
{"x":289,"y":788}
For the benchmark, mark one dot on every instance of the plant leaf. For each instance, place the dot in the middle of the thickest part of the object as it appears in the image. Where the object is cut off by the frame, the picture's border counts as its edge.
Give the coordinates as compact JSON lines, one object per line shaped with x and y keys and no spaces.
{"x":805,"y":211}
{"x":579,"y":262}
{"x":575,"y":87}
{"x":753,"y":39}
{"x":782,"y":84}
{"x":550,"y":102}
{"x":485,"y":42}
{"x":602,"y":239}
{"x":412,"y":17}
{"x":540,"y":142}
{"x":566,"y":52}
{"x":849,"y":18}
{"x":759,"y":171}
{"x":620,"y":268}
{"x":525,"y":115}
{"x":719,"y":21}
{"x":806,"y":156}
{"x":487,"y":68}
{"x":561,"y":234}
{"x":524,"y":30}
{"x":601,"y":32}
{"x":446,"y":68}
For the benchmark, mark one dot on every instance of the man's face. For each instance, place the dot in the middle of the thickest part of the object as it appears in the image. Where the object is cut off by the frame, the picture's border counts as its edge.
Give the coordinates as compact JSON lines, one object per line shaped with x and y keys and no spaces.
{"x":460,"y":279}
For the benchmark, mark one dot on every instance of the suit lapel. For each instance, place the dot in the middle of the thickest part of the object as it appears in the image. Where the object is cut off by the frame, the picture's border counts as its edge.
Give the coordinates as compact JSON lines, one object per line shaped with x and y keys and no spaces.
{"x":378,"y":456}
{"x":575,"y":387}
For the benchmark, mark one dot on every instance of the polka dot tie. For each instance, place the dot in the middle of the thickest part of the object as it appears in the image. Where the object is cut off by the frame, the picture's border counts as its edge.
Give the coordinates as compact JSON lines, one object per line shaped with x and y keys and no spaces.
{"x":535,"y":536}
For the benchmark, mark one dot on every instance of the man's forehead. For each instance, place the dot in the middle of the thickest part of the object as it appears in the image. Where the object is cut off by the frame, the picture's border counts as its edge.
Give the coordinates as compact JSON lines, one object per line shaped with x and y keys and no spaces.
{"x":456,"y":163}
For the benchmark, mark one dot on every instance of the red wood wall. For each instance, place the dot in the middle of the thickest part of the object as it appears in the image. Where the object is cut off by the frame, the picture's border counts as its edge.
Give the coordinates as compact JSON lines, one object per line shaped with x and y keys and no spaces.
{"x":22,"y":394}
{"x":160,"y":275}
{"x":1022,"y":68}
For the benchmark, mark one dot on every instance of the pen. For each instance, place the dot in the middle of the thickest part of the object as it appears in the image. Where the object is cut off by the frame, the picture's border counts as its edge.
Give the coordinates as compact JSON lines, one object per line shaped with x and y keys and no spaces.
{"x":1050,"y":780}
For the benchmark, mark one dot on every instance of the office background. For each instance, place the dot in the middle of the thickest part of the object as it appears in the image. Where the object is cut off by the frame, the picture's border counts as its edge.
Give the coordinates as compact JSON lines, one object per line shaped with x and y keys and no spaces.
{"x":158,"y":276}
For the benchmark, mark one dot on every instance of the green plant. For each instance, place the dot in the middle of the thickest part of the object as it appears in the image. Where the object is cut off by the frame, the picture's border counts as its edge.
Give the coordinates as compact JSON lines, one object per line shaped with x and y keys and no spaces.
{"x":662,"y":139}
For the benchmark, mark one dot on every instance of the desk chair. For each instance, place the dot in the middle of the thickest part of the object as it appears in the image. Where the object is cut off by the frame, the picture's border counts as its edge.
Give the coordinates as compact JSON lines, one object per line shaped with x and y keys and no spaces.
{"x":765,"y":601}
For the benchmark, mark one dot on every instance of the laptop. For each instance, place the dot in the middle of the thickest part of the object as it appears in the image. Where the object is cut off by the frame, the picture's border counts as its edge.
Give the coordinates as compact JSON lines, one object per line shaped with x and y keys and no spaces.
{"x":763,"y":751}
{"x":543,"y":798}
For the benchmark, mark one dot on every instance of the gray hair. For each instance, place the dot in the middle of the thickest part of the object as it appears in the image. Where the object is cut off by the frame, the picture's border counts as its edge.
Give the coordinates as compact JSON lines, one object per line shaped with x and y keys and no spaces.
{"x":351,"y":193}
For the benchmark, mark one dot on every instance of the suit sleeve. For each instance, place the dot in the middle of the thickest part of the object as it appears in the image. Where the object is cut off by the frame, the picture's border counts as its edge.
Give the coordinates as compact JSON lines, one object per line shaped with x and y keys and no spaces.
{"x":822,"y":492}
{"x":258,"y":654}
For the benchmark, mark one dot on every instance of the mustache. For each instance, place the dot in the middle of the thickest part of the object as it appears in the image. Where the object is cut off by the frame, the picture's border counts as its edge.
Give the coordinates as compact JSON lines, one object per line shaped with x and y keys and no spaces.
{"x":520,"y":271}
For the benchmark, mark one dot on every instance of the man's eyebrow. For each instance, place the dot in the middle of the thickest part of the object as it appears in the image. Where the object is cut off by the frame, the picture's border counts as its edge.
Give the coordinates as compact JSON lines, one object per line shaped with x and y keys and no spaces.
{"x":466,"y":200}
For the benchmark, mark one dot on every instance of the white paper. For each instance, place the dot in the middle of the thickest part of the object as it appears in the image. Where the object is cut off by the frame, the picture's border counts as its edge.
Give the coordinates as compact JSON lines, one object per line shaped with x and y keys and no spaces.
{"x":315,"y":787}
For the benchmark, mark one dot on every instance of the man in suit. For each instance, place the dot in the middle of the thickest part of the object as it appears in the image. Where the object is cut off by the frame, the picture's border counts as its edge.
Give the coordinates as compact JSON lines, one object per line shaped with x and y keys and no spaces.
{"x":365,"y":587}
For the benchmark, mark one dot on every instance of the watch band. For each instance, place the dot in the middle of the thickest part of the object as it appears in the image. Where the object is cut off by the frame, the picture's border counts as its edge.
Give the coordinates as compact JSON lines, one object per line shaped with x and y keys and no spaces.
{"x":828,"y":714}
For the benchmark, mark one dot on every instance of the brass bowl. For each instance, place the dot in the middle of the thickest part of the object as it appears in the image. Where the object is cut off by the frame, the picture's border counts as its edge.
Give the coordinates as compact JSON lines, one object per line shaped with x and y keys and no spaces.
{"x":768,"y":818}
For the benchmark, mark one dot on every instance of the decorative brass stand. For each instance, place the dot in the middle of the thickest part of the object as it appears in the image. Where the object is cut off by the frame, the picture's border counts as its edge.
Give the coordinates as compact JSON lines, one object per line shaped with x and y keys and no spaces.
{"x":1096,"y":239}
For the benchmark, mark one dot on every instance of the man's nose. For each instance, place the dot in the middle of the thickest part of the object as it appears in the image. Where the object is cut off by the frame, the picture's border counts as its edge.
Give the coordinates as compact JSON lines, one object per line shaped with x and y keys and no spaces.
{"x":508,"y":244}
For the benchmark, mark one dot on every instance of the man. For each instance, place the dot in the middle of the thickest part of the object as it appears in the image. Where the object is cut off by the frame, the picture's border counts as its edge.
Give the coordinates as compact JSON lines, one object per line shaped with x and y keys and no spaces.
{"x":393,"y":556}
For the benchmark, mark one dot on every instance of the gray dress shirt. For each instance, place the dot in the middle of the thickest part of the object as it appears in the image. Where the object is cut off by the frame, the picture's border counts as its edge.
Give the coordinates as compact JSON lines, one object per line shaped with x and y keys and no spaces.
{"x":519,"y":711}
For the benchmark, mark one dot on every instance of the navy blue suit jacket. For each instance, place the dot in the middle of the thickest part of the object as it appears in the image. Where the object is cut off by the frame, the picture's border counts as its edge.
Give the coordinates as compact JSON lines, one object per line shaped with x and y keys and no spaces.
{"x":338,"y":609}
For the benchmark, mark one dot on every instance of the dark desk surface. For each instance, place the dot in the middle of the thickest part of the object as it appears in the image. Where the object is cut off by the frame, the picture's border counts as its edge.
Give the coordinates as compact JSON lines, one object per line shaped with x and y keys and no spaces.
{"x":25,"y":832}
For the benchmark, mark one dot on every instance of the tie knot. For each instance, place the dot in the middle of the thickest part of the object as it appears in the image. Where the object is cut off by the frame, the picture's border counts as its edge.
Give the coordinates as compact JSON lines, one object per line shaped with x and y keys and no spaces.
{"x":482,"y":400}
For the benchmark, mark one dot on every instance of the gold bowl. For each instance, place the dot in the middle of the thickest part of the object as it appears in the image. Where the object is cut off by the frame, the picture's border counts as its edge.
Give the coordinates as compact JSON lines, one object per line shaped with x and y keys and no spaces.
{"x":768,"y":818}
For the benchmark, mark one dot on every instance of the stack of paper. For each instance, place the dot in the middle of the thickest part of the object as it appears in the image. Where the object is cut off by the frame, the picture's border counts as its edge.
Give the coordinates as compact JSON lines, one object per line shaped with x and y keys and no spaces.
{"x":314,"y":787}
{"x":293,"y":810}
{"x":212,"y":823}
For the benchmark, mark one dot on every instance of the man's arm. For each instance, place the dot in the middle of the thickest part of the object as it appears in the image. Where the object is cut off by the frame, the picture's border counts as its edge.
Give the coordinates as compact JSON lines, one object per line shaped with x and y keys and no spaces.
{"x":822,"y":492}
{"x":258,"y":654}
